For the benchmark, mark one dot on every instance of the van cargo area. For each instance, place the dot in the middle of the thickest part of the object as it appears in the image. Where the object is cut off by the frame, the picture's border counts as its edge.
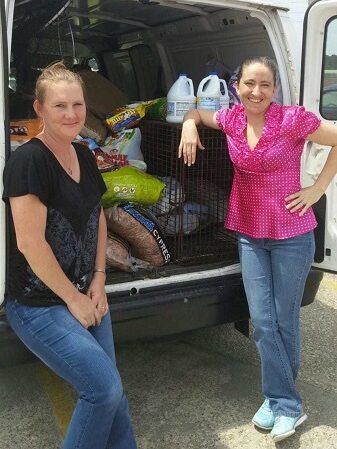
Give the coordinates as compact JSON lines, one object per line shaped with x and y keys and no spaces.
{"x":141,"y":47}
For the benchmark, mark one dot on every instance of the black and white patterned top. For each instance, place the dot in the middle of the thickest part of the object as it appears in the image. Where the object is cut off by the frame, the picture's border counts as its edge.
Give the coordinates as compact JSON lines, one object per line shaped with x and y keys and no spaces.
{"x":73,"y":210}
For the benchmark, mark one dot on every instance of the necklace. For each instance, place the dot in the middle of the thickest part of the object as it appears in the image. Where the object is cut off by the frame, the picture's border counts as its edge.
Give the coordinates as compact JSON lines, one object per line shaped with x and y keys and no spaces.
{"x":66,"y":165}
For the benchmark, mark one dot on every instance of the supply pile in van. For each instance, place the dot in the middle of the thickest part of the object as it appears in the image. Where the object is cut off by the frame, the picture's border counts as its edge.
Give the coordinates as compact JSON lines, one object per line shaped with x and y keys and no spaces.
{"x":129,"y":54}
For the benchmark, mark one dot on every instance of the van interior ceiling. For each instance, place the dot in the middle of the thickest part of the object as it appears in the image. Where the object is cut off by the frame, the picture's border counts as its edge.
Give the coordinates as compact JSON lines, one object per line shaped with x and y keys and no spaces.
{"x":121,"y":33}
{"x":141,"y":46}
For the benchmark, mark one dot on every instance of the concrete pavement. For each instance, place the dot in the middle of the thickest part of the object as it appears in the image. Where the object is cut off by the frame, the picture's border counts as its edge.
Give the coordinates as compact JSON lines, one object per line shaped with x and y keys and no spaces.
{"x":193,"y":391}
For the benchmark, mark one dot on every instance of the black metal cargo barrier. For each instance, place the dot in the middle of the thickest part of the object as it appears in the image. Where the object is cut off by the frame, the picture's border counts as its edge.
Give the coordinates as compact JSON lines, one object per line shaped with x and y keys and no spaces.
{"x":192,"y":211}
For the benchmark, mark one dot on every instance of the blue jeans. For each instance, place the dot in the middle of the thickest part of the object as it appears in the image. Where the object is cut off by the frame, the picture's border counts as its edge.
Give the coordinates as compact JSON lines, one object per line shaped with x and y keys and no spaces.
{"x":274,"y":274}
{"x":85,"y":359}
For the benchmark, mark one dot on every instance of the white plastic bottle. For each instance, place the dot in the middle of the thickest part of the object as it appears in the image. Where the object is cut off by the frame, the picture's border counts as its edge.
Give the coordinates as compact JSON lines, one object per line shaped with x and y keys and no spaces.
{"x":208,"y":95}
{"x":224,"y":96}
{"x":180,"y":99}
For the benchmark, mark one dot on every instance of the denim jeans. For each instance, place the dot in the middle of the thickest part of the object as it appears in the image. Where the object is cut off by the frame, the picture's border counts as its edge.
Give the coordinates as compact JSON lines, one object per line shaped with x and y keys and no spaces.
{"x":274,"y":274}
{"x":85,"y":359}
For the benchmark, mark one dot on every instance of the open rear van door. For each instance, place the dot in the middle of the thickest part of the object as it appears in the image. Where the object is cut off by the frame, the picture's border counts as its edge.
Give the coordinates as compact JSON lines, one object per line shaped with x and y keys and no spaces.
{"x":319,"y":94}
{"x":6,"y":24}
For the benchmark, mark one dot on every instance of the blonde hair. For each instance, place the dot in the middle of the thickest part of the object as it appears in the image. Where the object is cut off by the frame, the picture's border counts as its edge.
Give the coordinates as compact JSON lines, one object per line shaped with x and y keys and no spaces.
{"x":52,"y":74}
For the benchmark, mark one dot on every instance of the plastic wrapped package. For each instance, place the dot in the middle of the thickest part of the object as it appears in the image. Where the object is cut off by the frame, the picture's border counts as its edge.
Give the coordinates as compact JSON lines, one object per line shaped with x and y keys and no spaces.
{"x":173,"y":224}
{"x":126,"y":142}
{"x":143,"y":234}
{"x":141,"y":165}
{"x":201,"y":210}
{"x":118,"y":255}
{"x":172,"y":198}
{"x":127,"y":116}
{"x":129,"y":184}
{"x":157,"y":110}
{"x":23,"y":130}
{"x":105,"y":162}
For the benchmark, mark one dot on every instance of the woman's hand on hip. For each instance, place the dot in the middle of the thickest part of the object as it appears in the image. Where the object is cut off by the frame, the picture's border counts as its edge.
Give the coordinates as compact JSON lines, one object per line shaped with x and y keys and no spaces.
{"x":83,"y":309}
{"x":305,"y":198}
{"x":97,"y":294}
{"x":189,"y":142}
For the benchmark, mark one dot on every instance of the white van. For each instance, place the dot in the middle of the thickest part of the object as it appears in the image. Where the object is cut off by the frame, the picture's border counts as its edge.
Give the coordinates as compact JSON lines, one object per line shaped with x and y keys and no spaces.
{"x":141,"y":46}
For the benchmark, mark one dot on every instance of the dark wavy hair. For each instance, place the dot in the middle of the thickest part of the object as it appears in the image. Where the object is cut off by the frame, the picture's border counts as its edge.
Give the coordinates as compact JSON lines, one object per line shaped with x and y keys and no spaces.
{"x":264,"y":60}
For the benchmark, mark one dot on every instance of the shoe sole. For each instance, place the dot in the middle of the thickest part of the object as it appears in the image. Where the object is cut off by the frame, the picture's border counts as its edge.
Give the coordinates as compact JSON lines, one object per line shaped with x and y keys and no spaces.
{"x":261,"y":427}
{"x":283,"y":436}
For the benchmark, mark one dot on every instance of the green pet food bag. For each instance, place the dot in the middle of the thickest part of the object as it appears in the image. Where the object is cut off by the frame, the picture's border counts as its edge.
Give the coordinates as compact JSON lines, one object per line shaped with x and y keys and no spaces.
{"x":129,"y":184}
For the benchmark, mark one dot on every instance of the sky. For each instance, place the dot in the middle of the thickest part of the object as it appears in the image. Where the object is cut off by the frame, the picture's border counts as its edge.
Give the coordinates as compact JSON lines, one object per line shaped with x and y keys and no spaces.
{"x":331,"y":48}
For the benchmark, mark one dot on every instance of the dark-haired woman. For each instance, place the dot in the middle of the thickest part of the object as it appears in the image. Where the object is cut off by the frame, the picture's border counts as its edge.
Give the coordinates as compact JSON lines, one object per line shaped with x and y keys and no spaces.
{"x":274,"y":222}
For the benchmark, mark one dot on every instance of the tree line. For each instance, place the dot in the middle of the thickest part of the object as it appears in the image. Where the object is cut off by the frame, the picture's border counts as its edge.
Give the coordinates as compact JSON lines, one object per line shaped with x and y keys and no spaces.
{"x":331,"y":62}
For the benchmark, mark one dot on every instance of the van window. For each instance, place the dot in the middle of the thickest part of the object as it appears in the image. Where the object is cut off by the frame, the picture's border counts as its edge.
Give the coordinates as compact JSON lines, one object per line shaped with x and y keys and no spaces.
{"x":328,"y":102}
{"x":119,"y":69}
{"x":135,"y":71}
{"x":150,"y":78}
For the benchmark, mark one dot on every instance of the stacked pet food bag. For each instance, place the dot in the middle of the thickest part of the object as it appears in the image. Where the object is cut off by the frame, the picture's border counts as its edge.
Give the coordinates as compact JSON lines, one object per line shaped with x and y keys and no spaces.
{"x":135,"y":240}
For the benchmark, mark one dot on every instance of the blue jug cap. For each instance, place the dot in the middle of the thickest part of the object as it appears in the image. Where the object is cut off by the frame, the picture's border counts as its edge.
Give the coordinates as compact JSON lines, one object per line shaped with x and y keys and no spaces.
{"x":213,"y":73}
{"x":182,"y":74}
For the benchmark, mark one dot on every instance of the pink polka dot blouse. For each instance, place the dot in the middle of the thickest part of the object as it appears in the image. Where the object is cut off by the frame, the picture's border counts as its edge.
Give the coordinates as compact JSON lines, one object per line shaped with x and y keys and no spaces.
{"x":264,"y":176}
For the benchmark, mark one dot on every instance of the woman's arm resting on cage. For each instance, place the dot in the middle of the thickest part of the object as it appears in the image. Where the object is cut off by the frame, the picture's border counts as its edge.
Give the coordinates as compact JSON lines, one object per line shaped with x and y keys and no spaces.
{"x":190,"y":141}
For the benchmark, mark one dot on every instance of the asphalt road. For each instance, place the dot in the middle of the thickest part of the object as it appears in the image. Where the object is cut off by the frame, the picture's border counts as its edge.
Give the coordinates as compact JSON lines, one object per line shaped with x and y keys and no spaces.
{"x":193,"y":391}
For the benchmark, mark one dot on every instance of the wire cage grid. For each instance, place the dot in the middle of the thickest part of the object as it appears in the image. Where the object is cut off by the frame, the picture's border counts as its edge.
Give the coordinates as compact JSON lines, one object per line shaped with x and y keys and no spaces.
{"x":193,"y":209}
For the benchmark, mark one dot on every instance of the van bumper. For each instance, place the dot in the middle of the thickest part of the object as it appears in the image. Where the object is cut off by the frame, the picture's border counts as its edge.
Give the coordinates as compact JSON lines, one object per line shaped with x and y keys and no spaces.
{"x":176,"y":309}
{"x":168,"y":310}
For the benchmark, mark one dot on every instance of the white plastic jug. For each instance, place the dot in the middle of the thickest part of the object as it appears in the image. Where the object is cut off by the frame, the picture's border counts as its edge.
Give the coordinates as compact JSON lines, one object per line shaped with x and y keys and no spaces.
{"x":208,"y":95}
{"x":180,"y":99}
{"x":224,"y":96}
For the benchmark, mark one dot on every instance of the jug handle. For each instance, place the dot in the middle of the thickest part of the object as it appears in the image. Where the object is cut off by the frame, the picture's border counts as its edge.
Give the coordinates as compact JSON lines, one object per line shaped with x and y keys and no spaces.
{"x":190,"y":83}
{"x":223,"y":83}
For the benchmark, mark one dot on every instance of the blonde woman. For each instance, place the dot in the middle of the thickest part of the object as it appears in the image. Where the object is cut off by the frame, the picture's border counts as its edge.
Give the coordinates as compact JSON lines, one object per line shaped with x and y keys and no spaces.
{"x":56,"y":298}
